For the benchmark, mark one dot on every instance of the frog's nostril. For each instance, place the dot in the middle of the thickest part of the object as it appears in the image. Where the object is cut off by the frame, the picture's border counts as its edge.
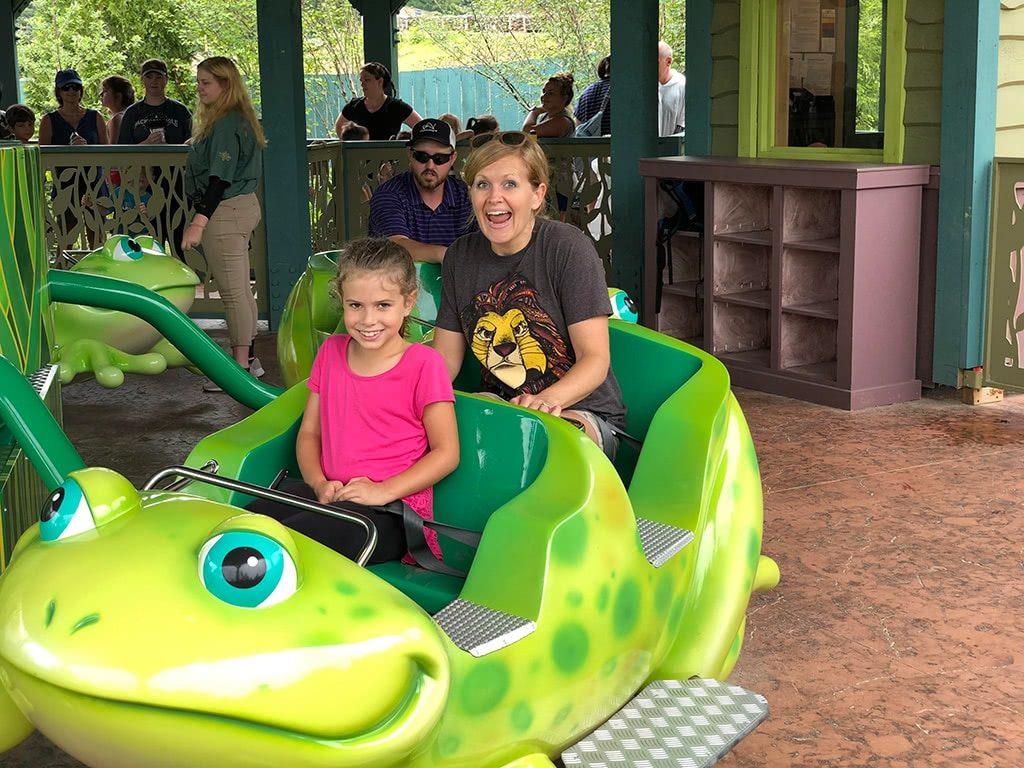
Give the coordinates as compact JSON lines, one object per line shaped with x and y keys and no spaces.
{"x":50,"y":610}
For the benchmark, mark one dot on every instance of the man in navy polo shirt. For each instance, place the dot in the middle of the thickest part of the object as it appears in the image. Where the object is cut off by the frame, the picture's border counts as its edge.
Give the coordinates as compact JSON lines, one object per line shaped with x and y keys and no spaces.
{"x":423,"y":209}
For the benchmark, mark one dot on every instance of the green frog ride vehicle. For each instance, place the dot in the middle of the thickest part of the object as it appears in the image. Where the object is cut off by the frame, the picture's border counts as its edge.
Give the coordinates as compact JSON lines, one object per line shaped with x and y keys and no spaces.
{"x":169,"y":627}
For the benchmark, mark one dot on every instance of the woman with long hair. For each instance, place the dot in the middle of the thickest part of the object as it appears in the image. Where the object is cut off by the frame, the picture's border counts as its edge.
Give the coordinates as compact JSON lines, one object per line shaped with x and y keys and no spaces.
{"x":527,"y":296}
{"x":223,"y":168}
{"x":116,"y":94}
{"x":379,"y":108}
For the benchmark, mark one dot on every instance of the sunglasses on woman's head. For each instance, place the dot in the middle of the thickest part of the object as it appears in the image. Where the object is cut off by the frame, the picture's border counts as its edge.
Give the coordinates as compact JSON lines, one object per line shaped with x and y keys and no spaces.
{"x":512,"y":138}
{"x":71,"y":87}
{"x":439,"y":159}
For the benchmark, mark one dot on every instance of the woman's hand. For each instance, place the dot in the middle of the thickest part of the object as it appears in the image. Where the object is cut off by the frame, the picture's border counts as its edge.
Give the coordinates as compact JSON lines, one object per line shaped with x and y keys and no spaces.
{"x":363,"y":490}
{"x":194,"y":234}
{"x":537,"y":403}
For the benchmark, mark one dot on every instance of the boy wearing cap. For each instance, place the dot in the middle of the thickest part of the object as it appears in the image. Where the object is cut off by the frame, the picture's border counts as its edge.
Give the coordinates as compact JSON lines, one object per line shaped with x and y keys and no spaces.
{"x":423,"y":209}
{"x":155,"y":119}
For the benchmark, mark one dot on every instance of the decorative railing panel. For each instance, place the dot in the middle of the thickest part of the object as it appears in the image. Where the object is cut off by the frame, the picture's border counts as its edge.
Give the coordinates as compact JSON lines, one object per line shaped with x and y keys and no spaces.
{"x":1004,"y":316}
{"x":94,"y":192}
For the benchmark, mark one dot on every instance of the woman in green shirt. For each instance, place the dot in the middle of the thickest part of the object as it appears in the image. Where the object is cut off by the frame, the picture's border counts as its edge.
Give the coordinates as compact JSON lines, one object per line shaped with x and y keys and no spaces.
{"x":223,"y":168}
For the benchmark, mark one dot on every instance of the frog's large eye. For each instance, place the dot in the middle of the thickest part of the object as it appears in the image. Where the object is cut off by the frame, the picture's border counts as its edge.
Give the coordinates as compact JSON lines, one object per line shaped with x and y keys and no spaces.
{"x":126,"y":249}
{"x":66,"y":513}
{"x":247,"y":569}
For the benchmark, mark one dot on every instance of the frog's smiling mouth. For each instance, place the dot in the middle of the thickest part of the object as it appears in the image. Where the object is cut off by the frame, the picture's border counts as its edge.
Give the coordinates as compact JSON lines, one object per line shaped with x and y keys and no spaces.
{"x":416,"y":710}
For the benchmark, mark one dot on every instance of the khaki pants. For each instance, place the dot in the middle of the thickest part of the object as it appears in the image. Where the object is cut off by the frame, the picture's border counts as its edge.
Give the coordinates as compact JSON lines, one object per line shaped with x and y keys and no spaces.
{"x":226,"y":245}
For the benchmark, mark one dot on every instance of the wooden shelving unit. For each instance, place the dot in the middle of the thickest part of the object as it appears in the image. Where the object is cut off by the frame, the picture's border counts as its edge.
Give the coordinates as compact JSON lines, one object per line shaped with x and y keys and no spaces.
{"x":804,"y":279}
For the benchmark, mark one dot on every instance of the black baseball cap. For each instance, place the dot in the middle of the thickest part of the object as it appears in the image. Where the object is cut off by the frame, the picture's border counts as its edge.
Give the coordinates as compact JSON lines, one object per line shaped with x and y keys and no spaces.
{"x":153,"y":65}
{"x":434,"y":130}
{"x":66,"y":77}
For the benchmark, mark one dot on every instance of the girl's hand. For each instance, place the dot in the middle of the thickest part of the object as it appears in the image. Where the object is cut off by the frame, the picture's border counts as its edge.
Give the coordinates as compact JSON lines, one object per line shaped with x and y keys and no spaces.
{"x":193,"y":236}
{"x":363,"y":490}
{"x":328,"y":491}
{"x":536,"y":403}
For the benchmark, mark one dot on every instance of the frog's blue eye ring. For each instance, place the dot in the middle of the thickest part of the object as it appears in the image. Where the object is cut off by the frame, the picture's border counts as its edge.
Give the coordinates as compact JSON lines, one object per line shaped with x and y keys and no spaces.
{"x":127,"y":249}
{"x":247,"y":569}
{"x":66,"y":513}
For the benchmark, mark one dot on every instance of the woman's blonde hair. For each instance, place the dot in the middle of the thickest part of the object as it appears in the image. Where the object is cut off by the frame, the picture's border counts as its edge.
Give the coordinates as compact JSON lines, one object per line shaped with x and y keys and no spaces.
{"x":498,"y":148}
{"x":233,"y":97}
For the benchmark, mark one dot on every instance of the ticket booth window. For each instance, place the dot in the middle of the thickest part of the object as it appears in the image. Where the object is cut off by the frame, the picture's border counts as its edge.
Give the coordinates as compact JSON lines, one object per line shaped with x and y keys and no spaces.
{"x":827,"y":78}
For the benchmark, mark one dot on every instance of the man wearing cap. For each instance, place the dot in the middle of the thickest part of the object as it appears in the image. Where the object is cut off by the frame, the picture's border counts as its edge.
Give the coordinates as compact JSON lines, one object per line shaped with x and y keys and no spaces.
{"x":155,"y":119}
{"x":423,"y":209}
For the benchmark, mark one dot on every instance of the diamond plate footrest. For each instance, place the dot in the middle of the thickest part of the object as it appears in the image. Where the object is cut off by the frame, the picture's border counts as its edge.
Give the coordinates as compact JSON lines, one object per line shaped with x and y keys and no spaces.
{"x":42,"y":379}
{"x":672,"y":724}
{"x":480,"y":630}
{"x":661,"y":541}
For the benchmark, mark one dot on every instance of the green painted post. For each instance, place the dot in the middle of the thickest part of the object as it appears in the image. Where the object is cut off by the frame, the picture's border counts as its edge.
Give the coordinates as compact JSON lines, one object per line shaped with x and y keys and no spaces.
{"x":969,"y":60}
{"x":698,"y":76}
{"x":285,"y":168}
{"x":380,"y":32}
{"x":8,"y":59}
{"x":634,"y":134}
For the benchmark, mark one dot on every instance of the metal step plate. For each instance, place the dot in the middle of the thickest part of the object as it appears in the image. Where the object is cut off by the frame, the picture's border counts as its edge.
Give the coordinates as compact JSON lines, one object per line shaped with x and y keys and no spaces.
{"x":672,"y":724}
{"x":661,"y":541}
{"x":480,"y":630}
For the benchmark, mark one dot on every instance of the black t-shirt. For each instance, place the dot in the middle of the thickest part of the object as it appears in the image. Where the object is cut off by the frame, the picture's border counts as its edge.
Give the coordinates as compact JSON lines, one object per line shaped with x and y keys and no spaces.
{"x":141,"y":118}
{"x":382,"y":124}
{"x":515,"y":311}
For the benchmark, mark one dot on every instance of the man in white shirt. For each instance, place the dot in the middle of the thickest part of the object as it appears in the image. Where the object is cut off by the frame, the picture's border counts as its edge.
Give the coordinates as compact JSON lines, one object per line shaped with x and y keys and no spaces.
{"x":671,"y":94}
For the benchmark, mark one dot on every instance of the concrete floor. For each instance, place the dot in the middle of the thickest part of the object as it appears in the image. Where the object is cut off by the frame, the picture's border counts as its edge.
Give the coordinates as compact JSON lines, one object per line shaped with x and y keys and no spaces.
{"x":893,"y":638}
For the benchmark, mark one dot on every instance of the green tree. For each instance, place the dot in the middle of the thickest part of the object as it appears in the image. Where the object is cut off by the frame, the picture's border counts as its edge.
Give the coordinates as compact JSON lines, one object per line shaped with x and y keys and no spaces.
{"x":869,"y":65}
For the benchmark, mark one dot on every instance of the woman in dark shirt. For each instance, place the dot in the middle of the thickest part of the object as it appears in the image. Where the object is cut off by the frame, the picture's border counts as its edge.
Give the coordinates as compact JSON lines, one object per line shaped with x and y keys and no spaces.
{"x":379,"y":109}
{"x":224,"y":165}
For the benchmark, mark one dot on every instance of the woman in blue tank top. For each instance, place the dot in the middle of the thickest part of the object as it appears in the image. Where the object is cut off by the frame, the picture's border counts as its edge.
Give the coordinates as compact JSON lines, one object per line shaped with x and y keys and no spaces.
{"x":73,"y":124}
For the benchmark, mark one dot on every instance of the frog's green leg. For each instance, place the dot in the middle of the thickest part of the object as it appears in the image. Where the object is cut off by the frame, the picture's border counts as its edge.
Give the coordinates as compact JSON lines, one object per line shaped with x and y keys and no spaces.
{"x":170,"y":353}
{"x":14,"y":728}
{"x":108,"y":364}
{"x":537,"y":760}
{"x":767,"y":576}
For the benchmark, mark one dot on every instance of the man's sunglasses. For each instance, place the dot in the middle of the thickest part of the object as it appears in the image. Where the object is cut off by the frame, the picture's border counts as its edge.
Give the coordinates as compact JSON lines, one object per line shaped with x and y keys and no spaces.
{"x":512,"y":138}
{"x":71,"y":87}
{"x":439,"y":159}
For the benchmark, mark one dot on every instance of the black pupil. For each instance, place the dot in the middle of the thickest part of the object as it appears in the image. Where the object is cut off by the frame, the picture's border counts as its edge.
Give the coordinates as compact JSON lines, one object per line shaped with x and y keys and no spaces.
{"x":630,"y":304}
{"x":244,"y":567}
{"x":52,"y":506}
{"x":133,"y":246}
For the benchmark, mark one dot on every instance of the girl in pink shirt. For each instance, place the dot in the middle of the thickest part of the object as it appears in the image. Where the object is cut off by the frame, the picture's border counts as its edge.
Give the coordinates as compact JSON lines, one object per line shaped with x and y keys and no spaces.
{"x":379,"y":425}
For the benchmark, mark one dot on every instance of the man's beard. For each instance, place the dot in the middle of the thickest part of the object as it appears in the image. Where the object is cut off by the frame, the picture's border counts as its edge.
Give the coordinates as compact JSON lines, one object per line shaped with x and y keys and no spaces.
{"x":428,"y":183}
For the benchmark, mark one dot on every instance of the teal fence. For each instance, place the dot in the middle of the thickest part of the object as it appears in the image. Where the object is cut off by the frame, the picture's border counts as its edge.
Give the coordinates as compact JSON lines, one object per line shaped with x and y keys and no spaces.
{"x":431,"y":92}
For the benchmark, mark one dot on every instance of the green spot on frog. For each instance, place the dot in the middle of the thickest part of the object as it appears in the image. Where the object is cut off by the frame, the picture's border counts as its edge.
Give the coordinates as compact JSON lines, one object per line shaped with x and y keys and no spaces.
{"x":345,"y":588}
{"x":363,"y":612}
{"x":626,"y":612}
{"x":602,"y":597}
{"x":570,"y":647}
{"x":609,"y":667}
{"x":485,"y":687}
{"x":522,"y":717}
{"x":574,"y":599}
{"x":562,"y":715}
{"x":51,"y":609}
{"x":663,"y":594}
{"x":570,"y":543}
{"x":85,"y":621}
{"x":753,"y":549}
{"x":322,"y":610}
{"x":449,"y":745}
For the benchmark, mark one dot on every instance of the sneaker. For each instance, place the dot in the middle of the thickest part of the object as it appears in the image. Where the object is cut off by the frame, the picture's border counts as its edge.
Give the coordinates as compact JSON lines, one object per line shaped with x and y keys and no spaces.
{"x":256,"y":368}
{"x":209,"y":385}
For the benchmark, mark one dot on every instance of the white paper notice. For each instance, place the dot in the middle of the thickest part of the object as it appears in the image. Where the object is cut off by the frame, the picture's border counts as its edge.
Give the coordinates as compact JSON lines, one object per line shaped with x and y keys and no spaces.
{"x":828,"y":30}
{"x":805,"y":26}
{"x":797,"y":68}
{"x":818,"y":73}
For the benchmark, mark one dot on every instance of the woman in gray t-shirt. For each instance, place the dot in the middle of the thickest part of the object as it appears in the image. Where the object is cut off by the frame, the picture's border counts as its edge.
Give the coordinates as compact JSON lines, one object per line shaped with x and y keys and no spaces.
{"x":528,"y":295}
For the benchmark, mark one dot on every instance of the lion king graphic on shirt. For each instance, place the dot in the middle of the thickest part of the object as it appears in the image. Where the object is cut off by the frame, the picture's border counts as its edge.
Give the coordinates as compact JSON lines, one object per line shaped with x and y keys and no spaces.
{"x":514,"y":339}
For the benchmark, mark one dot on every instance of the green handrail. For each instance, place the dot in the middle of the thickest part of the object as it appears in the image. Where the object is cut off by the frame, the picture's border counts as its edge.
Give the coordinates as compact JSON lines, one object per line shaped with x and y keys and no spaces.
{"x":123,"y":296}
{"x":34,"y":427}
